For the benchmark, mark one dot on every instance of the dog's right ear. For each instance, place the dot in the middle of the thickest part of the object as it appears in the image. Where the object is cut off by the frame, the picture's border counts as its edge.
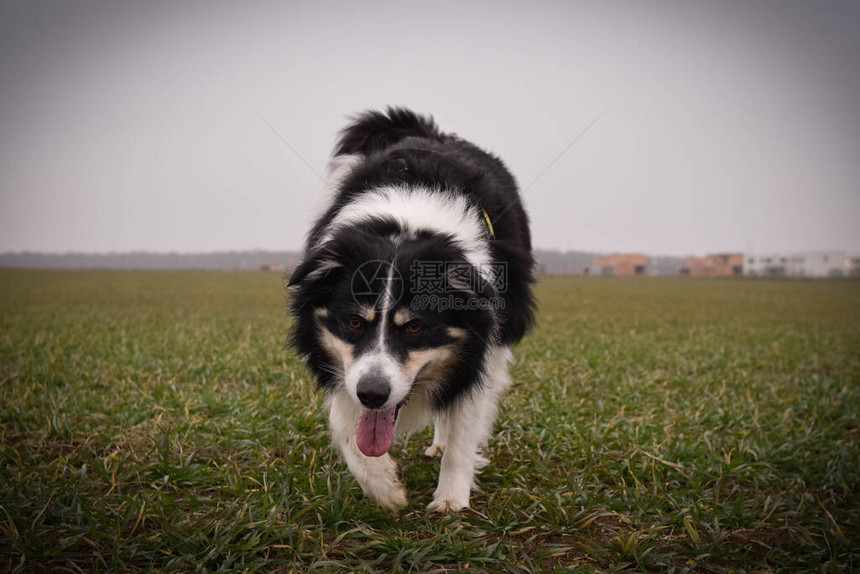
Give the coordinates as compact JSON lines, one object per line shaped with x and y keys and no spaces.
{"x":315,"y":264}
{"x":300,"y":272}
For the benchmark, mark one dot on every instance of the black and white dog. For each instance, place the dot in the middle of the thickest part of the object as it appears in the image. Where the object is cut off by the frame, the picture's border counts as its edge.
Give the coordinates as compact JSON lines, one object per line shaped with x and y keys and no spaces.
{"x":413,"y":285}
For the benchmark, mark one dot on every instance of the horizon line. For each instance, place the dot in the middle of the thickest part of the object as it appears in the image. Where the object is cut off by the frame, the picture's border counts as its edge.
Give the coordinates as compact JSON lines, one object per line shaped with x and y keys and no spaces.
{"x":300,"y":251}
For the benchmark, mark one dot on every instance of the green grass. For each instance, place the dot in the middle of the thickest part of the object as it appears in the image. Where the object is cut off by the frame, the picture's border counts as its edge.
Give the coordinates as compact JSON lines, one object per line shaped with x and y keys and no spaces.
{"x":154,"y":421}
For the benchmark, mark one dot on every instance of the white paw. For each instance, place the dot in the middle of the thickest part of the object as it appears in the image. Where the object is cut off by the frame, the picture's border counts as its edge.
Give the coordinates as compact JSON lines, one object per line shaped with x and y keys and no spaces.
{"x":393,"y":498}
{"x":434,"y":450}
{"x":447,"y":505}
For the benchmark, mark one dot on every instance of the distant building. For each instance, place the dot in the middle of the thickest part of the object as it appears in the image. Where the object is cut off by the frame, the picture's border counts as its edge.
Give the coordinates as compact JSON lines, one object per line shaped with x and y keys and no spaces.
{"x":622,"y":264}
{"x":718,"y":265}
{"x":852,"y":265}
{"x":665,"y":265}
{"x":803,"y":264}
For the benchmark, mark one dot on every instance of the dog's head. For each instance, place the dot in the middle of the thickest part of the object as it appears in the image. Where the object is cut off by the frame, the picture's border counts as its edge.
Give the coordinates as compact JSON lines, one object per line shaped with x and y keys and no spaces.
{"x":381,"y":313}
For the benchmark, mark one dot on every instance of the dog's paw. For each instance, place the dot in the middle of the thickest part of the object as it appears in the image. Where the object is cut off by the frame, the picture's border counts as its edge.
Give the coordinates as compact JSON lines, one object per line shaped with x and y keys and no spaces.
{"x":393,"y":499}
{"x":434,"y":450}
{"x":447,"y":505}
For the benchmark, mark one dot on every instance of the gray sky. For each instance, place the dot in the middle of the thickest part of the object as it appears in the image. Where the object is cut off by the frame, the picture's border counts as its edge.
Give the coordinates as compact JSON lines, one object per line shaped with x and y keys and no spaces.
{"x":728,"y":126}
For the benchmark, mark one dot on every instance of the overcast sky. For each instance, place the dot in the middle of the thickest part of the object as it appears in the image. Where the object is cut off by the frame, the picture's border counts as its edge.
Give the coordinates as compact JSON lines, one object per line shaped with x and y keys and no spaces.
{"x":727,"y":126}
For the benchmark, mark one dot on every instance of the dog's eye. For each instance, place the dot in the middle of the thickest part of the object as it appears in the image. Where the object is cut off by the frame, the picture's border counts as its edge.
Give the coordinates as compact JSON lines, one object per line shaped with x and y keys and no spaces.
{"x":355,"y":323}
{"x":413,"y":327}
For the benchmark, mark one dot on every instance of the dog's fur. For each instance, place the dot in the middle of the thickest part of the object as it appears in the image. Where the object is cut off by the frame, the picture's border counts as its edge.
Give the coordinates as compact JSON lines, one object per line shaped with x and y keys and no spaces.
{"x":407,"y":196}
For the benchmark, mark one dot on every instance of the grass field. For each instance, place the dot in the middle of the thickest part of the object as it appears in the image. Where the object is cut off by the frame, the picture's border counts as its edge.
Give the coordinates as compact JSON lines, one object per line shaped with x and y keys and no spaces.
{"x":154,"y":421}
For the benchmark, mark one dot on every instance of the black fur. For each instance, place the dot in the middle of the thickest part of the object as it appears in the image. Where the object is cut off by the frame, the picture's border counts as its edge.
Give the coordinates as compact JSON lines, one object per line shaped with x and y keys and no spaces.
{"x":401,"y":146}
{"x":374,"y":131}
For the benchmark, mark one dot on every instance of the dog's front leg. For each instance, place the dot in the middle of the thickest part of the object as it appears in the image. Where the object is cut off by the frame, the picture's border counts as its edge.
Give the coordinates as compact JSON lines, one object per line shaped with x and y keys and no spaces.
{"x":466,"y":427}
{"x":460,"y":460}
{"x":377,"y":476}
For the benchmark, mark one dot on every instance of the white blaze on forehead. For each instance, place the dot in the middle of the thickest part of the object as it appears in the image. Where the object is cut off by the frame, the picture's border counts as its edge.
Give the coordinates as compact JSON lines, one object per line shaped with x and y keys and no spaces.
{"x":418,"y":208}
{"x":388,"y":295}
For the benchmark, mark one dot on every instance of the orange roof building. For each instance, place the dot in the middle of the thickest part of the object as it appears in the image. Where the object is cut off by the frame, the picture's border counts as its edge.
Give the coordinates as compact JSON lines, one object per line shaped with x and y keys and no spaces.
{"x":622,"y":264}
{"x":718,"y":265}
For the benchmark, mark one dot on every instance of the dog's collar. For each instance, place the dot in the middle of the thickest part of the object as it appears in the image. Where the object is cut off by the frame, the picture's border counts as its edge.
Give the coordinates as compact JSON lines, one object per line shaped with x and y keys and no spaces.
{"x":489,"y":224}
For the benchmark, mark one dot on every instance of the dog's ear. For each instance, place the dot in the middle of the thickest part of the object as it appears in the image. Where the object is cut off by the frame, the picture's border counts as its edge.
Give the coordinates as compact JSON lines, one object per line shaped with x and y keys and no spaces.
{"x":465,"y":278}
{"x":315,"y":264}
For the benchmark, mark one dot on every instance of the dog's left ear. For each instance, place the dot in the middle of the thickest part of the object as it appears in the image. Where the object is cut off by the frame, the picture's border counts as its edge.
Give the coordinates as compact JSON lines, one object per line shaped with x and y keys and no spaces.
{"x":466,"y":279}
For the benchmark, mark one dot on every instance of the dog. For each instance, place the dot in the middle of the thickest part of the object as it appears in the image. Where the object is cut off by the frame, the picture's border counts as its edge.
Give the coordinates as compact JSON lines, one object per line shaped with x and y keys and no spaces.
{"x":413,"y":285}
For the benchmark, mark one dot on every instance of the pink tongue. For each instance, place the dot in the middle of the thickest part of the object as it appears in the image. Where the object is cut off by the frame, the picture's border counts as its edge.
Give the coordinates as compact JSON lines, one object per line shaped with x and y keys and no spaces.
{"x":375,"y":431}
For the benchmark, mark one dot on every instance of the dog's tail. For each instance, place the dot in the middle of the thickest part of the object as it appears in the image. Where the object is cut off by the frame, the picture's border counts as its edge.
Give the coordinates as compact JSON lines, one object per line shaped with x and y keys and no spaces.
{"x":372,"y":131}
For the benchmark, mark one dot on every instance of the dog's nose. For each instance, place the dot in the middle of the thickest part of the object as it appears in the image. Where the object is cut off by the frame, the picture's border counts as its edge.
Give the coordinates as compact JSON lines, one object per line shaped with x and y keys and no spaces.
{"x":373,"y":391}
